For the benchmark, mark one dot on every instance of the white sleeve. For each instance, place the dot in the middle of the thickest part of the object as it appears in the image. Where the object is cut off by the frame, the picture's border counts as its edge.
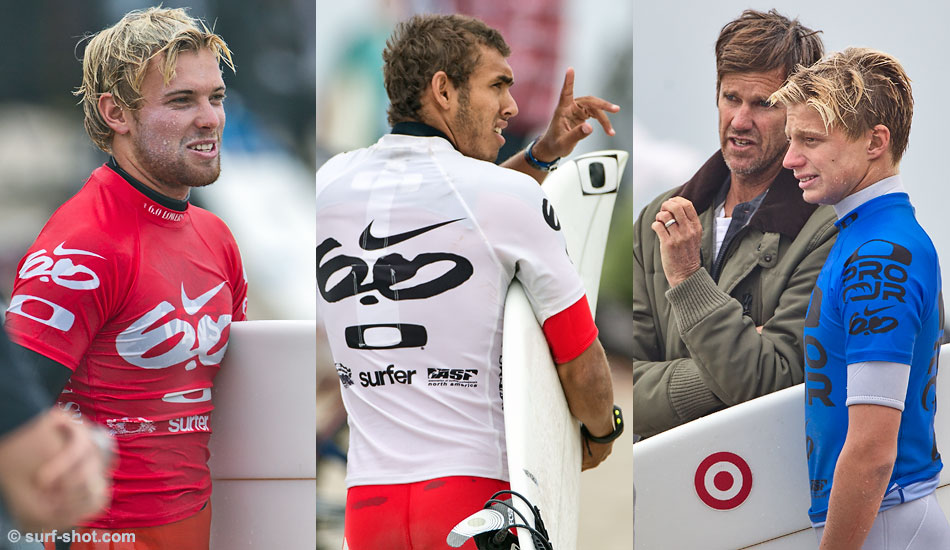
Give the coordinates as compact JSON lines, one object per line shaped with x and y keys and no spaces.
{"x":525,"y":234}
{"x":877,"y":383}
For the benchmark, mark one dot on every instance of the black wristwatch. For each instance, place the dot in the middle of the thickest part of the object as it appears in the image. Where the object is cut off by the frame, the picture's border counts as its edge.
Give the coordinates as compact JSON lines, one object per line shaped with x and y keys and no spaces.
{"x":540,"y":165}
{"x":617,"y":425}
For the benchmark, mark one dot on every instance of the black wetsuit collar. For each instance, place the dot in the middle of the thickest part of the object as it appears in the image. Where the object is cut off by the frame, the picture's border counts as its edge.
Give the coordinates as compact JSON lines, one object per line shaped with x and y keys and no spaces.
{"x":167,"y":202}
{"x":413,"y":128}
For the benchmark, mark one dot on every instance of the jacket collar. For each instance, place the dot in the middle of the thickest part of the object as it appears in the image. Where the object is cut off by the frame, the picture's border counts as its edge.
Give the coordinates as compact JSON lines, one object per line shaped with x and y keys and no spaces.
{"x":783,"y":210}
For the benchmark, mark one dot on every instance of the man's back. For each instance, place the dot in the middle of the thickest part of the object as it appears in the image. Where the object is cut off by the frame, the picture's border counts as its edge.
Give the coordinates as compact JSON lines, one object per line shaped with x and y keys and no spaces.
{"x":417,"y":245}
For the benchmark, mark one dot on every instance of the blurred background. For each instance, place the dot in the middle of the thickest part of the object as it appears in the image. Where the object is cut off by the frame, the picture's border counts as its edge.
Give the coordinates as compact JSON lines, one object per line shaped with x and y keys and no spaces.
{"x":675,"y":119}
{"x":546,"y":37}
{"x":265,"y":192}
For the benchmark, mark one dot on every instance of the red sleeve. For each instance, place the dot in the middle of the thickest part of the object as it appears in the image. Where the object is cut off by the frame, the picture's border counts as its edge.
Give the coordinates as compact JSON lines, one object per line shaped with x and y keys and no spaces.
{"x":570,"y":332}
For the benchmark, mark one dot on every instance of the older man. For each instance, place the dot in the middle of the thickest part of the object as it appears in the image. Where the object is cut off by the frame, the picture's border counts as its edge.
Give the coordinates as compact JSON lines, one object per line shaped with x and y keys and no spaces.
{"x":723,"y":265}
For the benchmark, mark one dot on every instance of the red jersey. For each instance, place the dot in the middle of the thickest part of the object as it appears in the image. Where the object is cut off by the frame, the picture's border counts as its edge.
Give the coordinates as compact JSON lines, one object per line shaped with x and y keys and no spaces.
{"x":137,"y":299}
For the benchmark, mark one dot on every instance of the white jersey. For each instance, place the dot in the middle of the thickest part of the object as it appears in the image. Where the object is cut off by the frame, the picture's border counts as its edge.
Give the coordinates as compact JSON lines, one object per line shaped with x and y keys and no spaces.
{"x":416,"y":247}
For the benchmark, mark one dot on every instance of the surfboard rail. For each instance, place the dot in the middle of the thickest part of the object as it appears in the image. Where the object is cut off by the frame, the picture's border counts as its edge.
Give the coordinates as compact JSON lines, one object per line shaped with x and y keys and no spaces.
{"x":263,"y":444}
{"x":544,"y":445}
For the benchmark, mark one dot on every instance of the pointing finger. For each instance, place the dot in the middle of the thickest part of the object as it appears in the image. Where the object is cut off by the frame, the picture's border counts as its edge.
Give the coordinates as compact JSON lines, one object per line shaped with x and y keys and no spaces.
{"x":567,"y":90}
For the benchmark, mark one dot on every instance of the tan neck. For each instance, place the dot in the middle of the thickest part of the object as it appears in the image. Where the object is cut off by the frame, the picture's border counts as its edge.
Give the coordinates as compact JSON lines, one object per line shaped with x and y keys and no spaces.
{"x":745,"y":187}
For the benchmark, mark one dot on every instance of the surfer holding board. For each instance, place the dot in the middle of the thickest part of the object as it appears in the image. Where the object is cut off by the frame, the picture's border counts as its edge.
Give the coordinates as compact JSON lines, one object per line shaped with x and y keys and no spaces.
{"x":876,"y":315}
{"x":419,"y":237}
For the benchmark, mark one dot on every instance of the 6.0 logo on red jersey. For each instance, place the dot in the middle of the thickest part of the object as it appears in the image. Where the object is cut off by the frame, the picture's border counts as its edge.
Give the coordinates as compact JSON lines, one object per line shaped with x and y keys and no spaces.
{"x":61,"y":272}
{"x":150,"y":345}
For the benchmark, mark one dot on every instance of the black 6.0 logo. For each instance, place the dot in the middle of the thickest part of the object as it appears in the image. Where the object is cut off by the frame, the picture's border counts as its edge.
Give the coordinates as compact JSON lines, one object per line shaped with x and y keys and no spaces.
{"x":390,"y":273}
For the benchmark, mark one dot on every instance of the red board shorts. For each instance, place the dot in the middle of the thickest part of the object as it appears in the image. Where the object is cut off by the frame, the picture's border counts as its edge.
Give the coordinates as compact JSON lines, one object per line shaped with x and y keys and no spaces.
{"x":191,"y":533}
{"x":414,"y":516}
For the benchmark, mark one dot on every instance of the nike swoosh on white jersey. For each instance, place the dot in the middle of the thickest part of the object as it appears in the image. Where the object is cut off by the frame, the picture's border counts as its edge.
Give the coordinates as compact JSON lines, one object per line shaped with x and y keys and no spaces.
{"x":192,"y":306}
{"x":60,"y":251}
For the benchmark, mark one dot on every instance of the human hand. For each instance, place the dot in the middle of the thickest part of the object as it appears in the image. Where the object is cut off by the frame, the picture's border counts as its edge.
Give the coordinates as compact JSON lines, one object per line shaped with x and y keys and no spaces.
{"x":54,"y":472}
{"x":77,"y":472}
{"x":569,"y":123}
{"x":680,"y":233}
{"x":593,"y":453}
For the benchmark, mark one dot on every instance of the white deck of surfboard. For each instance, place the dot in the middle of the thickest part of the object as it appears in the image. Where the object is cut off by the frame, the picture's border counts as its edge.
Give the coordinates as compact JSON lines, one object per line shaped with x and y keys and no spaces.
{"x":263,"y":447}
{"x":768,"y":434}
{"x":544,"y":459}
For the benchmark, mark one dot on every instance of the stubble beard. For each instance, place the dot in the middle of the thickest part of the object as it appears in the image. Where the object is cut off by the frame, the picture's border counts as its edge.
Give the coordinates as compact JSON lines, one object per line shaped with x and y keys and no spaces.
{"x":757,"y":166}
{"x":172,"y":169}
{"x":466,"y":125}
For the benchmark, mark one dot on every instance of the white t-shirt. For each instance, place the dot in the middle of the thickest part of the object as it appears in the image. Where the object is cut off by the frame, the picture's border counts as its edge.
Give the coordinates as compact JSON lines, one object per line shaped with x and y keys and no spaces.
{"x":722,"y":227}
{"x":416,"y":247}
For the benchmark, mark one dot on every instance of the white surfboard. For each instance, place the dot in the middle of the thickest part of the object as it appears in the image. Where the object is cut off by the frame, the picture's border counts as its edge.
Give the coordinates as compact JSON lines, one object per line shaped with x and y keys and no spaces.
{"x":738,"y":478}
{"x":544,"y":447}
{"x":263,"y":444}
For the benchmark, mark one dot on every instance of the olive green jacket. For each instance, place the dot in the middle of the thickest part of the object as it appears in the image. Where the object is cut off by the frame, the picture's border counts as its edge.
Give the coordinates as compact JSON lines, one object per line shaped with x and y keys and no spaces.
{"x":696,"y":348}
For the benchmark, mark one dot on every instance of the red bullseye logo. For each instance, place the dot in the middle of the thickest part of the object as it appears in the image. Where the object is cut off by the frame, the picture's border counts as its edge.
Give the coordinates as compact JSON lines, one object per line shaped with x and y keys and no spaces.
{"x":723,"y":480}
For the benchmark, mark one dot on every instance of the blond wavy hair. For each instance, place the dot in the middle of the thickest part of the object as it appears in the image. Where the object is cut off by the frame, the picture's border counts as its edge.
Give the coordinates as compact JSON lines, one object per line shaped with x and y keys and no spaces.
{"x":855,"y":90}
{"x":116,"y":59}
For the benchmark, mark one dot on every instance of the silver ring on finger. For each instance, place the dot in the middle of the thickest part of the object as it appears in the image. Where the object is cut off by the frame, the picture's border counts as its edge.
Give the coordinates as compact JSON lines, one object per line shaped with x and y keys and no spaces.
{"x":669,"y":223}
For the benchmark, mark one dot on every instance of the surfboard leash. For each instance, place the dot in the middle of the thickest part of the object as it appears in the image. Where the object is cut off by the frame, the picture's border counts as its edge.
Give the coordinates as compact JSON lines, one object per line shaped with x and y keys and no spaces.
{"x":491,"y":526}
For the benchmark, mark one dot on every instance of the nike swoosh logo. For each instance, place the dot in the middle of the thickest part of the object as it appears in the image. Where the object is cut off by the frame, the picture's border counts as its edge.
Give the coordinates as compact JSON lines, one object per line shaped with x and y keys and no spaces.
{"x":370,"y":242}
{"x":60,"y":251}
{"x":192,"y":306}
{"x":870,"y":312}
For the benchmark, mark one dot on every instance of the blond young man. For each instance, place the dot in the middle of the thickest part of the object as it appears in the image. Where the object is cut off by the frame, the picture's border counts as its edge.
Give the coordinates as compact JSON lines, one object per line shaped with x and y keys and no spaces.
{"x":872,"y":331}
{"x":125,"y":300}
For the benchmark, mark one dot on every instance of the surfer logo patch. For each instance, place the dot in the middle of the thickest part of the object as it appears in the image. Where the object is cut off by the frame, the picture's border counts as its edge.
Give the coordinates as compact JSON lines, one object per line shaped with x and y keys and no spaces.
{"x":345,"y":374}
{"x":460,"y":378}
{"x":392,"y":375}
{"x":723,"y":480}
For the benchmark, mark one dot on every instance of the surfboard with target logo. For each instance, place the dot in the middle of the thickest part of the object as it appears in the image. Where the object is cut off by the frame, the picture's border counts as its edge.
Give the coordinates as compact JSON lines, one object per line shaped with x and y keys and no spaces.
{"x":738,"y":479}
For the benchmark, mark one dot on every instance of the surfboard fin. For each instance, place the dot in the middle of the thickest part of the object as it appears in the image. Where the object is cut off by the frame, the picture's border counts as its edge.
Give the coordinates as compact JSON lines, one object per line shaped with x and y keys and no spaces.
{"x":485,"y":526}
{"x":491,"y":527}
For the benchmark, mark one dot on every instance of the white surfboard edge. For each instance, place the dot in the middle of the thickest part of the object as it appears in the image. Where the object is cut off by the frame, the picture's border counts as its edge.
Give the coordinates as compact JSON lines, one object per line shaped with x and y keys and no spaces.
{"x":738,"y":478}
{"x":263,"y":444}
{"x":544,"y":447}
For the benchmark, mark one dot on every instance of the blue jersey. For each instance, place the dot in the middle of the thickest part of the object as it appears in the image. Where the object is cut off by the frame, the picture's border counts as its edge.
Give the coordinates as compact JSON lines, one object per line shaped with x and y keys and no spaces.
{"x":877,"y":299}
